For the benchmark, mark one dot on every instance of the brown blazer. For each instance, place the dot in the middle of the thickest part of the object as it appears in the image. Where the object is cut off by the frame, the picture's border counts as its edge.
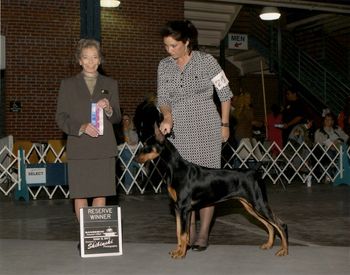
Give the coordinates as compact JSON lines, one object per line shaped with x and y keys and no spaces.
{"x":74,"y":109}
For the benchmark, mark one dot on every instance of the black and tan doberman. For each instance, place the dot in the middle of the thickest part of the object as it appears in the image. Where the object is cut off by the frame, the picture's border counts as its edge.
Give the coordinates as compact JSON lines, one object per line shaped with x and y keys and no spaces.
{"x":192,"y":187}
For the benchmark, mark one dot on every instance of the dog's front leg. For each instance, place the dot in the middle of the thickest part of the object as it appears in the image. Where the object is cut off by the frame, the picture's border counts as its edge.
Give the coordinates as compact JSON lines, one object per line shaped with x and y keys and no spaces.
{"x":182,"y":238}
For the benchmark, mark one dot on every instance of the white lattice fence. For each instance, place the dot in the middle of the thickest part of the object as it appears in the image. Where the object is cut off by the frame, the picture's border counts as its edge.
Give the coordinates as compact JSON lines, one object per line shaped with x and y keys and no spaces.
{"x":279,"y":165}
{"x":13,"y":171}
{"x":49,"y":160}
{"x":290,"y":163}
{"x":8,"y":171}
{"x":133,"y":176}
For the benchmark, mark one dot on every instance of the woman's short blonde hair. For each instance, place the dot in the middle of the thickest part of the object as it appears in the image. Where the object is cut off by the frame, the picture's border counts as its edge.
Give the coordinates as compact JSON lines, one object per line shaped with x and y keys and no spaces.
{"x":88,"y":43}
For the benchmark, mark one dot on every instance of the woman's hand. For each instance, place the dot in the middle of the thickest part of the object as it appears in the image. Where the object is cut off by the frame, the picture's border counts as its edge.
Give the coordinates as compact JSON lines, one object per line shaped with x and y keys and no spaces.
{"x":89,"y":130}
{"x":105,"y":105}
{"x":225,"y":133}
{"x":166,"y":126}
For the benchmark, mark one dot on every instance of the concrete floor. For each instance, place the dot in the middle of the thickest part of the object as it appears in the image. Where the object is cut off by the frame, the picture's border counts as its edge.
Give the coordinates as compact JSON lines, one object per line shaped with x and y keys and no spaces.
{"x":40,"y":237}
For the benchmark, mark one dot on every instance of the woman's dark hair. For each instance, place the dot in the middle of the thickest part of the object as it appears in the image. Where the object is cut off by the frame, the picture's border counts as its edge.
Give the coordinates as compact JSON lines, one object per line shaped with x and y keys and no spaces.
{"x":275,"y":109}
{"x":182,"y":31}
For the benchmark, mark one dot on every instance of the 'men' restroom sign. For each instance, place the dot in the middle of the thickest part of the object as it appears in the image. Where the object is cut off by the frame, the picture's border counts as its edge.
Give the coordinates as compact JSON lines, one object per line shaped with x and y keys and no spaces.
{"x":238,"y":41}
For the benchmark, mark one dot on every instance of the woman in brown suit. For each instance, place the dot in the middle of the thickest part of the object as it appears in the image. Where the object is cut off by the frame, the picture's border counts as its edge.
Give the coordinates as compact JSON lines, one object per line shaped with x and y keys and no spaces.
{"x":91,"y":154}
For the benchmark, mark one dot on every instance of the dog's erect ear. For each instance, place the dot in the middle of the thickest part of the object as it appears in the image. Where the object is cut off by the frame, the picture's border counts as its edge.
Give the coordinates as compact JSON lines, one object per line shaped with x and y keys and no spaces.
{"x":158,"y":134}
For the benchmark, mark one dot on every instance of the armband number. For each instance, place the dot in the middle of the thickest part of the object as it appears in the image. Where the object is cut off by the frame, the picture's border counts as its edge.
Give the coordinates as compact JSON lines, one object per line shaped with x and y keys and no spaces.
{"x":220,"y":80}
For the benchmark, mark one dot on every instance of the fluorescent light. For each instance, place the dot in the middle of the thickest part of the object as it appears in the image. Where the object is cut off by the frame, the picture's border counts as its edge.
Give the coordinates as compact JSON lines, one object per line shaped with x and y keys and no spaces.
{"x":270,"y":13}
{"x":109,"y":3}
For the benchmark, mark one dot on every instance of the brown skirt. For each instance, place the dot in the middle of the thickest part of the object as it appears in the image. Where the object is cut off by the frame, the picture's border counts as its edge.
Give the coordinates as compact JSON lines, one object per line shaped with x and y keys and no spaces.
{"x":91,"y":178}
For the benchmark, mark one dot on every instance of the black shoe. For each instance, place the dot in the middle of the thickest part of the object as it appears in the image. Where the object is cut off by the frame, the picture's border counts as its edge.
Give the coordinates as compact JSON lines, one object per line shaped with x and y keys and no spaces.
{"x":199,"y":248}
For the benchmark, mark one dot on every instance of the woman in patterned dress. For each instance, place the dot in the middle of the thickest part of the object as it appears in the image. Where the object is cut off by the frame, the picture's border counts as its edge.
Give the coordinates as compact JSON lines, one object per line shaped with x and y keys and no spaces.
{"x":186,"y":82}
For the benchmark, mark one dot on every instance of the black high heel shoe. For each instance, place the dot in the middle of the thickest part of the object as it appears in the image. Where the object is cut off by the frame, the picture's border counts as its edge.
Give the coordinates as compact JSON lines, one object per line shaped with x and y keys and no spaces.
{"x":199,"y":248}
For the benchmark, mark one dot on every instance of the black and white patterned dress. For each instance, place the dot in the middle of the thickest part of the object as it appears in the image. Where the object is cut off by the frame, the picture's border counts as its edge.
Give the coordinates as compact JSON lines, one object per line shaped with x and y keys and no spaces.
{"x":189,"y":94}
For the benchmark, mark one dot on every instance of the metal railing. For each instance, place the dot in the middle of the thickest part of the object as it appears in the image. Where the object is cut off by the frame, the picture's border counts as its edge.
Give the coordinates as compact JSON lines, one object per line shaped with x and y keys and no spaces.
{"x":321,"y":82}
{"x":292,"y":163}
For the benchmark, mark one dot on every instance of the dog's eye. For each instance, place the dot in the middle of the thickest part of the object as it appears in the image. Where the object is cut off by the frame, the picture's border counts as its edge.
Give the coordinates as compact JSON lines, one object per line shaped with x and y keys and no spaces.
{"x":147,"y":149}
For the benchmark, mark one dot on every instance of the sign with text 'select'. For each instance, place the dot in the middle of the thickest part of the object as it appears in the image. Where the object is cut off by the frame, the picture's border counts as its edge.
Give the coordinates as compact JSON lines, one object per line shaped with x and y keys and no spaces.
{"x":100,"y":231}
{"x":238,"y":41}
{"x":36,"y":175}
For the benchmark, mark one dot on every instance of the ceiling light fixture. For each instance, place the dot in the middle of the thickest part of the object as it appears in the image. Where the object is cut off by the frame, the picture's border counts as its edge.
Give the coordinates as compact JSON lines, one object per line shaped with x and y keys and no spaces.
{"x":270,"y":13}
{"x":109,"y":3}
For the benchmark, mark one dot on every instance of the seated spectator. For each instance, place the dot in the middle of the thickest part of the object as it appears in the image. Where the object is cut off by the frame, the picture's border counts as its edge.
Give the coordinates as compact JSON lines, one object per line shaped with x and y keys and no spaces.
{"x":330,"y":133}
{"x":301,"y":140}
{"x":130,"y":141}
{"x":331,"y":137}
{"x":245,"y":118}
{"x":344,"y":117}
{"x":302,"y":133}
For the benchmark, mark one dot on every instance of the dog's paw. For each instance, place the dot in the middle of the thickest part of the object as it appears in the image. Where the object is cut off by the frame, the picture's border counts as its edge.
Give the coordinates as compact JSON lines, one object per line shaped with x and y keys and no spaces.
{"x":178,"y":253}
{"x":282,"y":252}
{"x":266,"y":246}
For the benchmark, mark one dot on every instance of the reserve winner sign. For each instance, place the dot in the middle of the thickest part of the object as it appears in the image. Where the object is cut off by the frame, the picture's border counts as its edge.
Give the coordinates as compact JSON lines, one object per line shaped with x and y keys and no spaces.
{"x":100,"y":231}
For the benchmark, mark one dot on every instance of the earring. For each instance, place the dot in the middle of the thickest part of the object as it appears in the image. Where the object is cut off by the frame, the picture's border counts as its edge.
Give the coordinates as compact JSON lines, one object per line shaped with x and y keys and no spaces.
{"x":186,"y":49}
